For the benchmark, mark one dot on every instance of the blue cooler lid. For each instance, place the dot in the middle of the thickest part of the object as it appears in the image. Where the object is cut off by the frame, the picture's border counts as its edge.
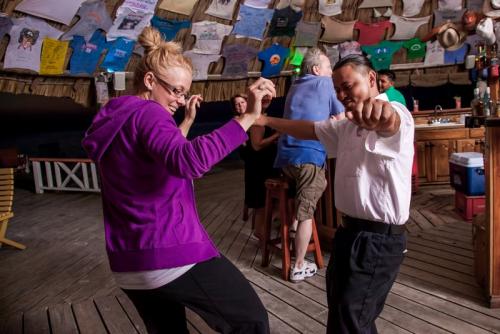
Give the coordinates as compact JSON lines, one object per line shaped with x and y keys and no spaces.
{"x":467,"y":159}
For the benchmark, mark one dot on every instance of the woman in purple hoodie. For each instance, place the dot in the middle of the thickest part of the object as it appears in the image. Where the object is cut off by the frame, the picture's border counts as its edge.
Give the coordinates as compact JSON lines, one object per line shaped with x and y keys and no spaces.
{"x":159,"y":252}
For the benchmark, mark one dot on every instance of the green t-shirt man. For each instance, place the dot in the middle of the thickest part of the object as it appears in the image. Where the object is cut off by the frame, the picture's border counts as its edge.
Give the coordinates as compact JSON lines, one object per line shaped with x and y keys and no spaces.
{"x":386,"y":84}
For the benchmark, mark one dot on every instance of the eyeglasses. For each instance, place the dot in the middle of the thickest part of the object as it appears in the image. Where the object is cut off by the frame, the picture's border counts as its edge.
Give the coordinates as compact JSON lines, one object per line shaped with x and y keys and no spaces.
{"x":173,"y":90}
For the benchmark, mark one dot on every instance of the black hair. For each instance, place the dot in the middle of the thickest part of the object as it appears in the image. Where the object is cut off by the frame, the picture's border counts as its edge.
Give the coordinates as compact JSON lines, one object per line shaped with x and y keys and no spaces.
{"x":388,"y":73}
{"x":355,"y":61}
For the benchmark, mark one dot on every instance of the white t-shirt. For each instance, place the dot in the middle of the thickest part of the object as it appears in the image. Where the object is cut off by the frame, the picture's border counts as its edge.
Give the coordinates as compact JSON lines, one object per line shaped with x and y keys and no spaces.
{"x":434,"y":53}
{"x":222,"y":9}
{"x":412,"y":7}
{"x":55,"y":10}
{"x":257,"y":3}
{"x":129,"y":24}
{"x":330,"y":7}
{"x":149,"y":279}
{"x":201,"y":62}
{"x":372,"y":173}
{"x":25,"y":45}
{"x":405,"y":27}
{"x":209,"y":36}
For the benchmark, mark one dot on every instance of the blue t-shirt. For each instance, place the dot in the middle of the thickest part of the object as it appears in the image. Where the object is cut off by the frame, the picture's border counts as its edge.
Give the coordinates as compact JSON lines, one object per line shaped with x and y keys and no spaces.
{"x":118,"y":55}
{"x":252,"y":22}
{"x":85,"y":56}
{"x":310,"y":98}
{"x":169,"y":28}
{"x":456,"y":56}
{"x":273,"y":57}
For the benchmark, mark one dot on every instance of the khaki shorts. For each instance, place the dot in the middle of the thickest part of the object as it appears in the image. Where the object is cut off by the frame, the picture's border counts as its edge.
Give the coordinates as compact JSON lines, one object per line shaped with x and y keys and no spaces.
{"x":310,"y":183}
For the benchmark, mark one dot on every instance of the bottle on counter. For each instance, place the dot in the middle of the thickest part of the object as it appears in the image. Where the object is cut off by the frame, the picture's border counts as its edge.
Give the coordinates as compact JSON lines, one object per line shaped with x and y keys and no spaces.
{"x":476,"y":104}
{"x":488,"y":105}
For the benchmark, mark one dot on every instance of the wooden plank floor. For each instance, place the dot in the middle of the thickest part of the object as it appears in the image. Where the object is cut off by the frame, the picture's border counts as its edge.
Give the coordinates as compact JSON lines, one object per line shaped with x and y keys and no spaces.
{"x":62,"y":284}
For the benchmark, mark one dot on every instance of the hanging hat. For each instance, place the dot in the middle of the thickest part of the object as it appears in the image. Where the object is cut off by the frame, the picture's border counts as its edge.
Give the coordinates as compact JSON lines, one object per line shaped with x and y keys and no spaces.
{"x":491,"y":8}
{"x":451,"y":36}
{"x":485,"y":30}
{"x":375,"y":3}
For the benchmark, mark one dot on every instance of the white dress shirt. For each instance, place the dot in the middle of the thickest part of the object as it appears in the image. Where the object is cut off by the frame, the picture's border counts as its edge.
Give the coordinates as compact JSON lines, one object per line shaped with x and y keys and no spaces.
{"x":372,"y":173}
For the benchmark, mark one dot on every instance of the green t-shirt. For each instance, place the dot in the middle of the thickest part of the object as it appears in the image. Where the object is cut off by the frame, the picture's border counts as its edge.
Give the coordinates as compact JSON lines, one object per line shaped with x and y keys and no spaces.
{"x":381,"y":54}
{"x":395,"y":95}
{"x":415,"y":47}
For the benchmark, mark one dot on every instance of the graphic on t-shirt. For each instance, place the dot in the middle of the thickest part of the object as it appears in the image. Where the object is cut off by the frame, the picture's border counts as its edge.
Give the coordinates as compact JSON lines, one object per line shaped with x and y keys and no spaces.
{"x":129,"y":23}
{"x":28,"y":38}
{"x":274,"y":58}
{"x":381,"y":54}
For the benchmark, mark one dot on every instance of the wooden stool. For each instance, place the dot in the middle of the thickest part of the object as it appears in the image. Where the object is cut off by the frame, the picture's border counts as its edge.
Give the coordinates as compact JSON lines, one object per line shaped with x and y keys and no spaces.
{"x":277,"y":189}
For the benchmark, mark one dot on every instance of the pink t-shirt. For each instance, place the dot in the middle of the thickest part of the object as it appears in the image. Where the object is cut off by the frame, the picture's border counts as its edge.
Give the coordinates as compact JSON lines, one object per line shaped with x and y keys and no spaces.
{"x":373,"y":33}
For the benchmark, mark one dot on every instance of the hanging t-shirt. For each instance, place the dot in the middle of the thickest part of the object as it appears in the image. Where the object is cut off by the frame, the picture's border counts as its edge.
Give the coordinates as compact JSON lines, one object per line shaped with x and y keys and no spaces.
{"x":372,"y":33}
{"x":330,"y":7}
{"x":412,"y":7}
{"x":209,"y":36}
{"x":450,"y":4}
{"x":284,"y":22}
{"x":92,"y":16}
{"x":415,"y":48}
{"x":441,"y":16}
{"x":475,"y":5}
{"x":349,"y":48}
{"x":273,"y":57}
{"x":237,"y":58}
{"x":336,"y":31}
{"x":222,"y":9}
{"x":182,"y":7}
{"x":118,"y":55}
{"x":55,"y":10}
{"x":53,"y":56}
{"x":169,"y":28}
{"x":258,"y":3}
{"x":381,"y":54}
{"x":406,"y":28}
{"x":473,"y":41}
{"x":25,"y":45}
{"x":297,"y":56}
{"x":143,"y":6}
{"x":307,"y":33}
{"x":375,"y":3}
{"x":201,"y":62}
{"x":129,"y":24}
{"x":456,"y":56}
{"x":333,"y":53}
{"x":5,"y":25}
{"x":86,"y":55}
{"x":434,"y":54}
{"x":252,"y":22}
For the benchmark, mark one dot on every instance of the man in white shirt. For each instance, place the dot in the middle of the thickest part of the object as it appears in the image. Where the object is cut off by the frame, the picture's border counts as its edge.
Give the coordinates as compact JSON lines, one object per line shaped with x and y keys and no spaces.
{"x":374,"y":151}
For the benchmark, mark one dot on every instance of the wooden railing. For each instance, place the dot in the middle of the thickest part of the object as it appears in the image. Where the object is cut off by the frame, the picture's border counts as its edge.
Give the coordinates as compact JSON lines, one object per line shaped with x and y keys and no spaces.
{"x":65,"y":175}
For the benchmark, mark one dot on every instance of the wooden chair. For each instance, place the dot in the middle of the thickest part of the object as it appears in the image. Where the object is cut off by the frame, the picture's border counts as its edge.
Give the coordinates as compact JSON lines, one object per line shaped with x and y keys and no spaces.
{"x":277,"y":190}
{"x":6,"y":199}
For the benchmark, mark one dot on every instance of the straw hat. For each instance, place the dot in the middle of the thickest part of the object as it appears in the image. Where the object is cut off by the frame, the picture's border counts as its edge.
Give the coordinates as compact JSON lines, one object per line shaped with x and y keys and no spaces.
{"x":451,"y":36}
{"x":491,"y":8}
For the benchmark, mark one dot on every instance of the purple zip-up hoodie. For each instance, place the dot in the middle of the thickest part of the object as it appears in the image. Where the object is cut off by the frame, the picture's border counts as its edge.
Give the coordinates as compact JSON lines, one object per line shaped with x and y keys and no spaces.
{"x":146,"y":168}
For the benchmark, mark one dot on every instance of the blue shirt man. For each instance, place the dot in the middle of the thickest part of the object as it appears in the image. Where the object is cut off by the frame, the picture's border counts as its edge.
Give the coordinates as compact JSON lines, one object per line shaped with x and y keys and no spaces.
{"x":311,"y":97}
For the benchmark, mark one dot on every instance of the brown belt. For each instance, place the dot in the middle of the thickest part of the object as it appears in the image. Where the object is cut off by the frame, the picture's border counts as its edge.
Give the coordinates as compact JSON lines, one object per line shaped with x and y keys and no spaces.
{"x":358,"y":224}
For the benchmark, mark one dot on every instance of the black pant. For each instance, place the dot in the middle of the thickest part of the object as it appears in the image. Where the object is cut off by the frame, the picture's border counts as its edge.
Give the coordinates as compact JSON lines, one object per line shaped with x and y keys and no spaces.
{"x":216,"y":290}
{"x":359,"y":276}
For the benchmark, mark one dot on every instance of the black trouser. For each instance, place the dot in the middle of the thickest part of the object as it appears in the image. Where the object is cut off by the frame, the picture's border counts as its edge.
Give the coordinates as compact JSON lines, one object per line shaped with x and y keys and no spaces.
{"x":359,"y":276}
{"x":216,"y":290}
